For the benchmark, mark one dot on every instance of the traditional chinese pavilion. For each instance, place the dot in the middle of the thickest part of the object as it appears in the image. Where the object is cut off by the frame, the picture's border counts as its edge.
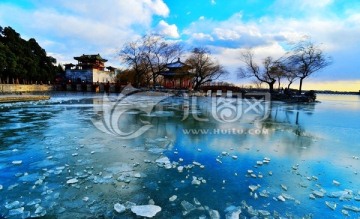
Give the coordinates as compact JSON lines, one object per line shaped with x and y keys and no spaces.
{"x":90,"y":69}
{"x":177,"y":76}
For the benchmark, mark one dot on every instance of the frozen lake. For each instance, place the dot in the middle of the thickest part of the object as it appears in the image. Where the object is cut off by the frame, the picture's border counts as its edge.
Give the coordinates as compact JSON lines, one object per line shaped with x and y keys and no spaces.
{"x":289,"y":161}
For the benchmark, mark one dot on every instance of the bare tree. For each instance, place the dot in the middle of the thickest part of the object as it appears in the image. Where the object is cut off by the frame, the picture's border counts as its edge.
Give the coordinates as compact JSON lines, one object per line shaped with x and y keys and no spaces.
{"x":306,"y":59}
{"x":132,"y":55}
{"x":158,"y":53}
{"x":268,"y":73}
{"x":148,"y":56}
{"x":206,"y":69}
{"x":291,"y":77}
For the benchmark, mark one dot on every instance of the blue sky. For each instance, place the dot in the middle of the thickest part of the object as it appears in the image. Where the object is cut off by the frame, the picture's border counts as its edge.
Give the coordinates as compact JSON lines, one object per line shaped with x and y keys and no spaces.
{"x":70,"y":28}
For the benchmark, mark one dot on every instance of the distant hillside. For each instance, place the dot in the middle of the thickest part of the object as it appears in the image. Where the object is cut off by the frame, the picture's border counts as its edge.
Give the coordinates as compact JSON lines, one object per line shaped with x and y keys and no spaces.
{"x":22,"y":61}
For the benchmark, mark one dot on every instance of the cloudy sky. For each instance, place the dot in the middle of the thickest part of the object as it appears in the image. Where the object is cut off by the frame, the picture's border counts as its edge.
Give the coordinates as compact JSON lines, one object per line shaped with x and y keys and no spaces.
{"x":71,"y":28}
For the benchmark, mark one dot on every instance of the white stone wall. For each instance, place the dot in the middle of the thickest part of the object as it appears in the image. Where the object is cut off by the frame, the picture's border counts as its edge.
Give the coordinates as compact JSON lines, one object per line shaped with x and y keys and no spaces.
{"x":102,"y":76}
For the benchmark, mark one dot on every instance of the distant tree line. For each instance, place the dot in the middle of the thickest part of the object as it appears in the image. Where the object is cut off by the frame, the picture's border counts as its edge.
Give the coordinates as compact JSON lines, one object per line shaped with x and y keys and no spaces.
{"x":24,"y":61}
{"x":147,"y":57}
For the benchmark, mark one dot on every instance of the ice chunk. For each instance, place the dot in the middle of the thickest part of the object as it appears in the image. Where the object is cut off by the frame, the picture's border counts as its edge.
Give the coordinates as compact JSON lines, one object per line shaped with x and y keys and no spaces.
{"x":336,"y":183}
{"x":119,"y":208}
{"x":188,"y":207}
{"x":129,"y":205}
{"x":287,"y":196}
{"x":137,"y":175}
{"x":40,"y":211}
{"x":173,"y":198}
{"x":351,"y":208}
{"x":264,"y":193}
{"x":17,"y":162}
{"x":346,"y":196}
{"x":264,"y":213}
{"x":331,"y":205}
{"x":163,"y":160}
{"x":235,"y":157}
{"x":34,"y":202}
{"x":195,"y":181}
{"x":11,"y":187}
{"x":266,"y":160}
{"x":196,"y":163}
{"x":72,"y":181}
{"x":317,"y":193}
{"x":253,"y":188}
{"x":180,"y":169}
{"x":214,"y":214}
{"x":146,"y":210}
{"x":196,"y":202}
{"x":281,"y":198}
{"x":16,"y":211}
{"x":233,"y":212}
{"x":1,"y":187}
{"x":284,"y":187}
{"x":345,"y":212}
{"x":39,"y":182}
{"x":252,"y":211}
{"x":14,"y":204}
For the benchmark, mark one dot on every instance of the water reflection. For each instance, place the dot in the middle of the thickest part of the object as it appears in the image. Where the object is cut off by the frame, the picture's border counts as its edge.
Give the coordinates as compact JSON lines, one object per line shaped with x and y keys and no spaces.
{"x":294,"y":153}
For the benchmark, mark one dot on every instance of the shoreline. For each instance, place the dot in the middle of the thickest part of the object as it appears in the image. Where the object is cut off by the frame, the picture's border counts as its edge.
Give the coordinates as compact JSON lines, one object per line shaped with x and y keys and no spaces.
{"x":22,"y":98}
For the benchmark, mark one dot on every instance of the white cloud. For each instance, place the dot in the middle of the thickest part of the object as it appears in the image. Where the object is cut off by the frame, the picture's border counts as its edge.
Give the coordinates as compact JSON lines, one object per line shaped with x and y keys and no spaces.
{"x":168,"y":30}
{"x":76,"y":27}
{"x":337,"y":36}
{"x":202,"y":36}
{"x":226,"y":34}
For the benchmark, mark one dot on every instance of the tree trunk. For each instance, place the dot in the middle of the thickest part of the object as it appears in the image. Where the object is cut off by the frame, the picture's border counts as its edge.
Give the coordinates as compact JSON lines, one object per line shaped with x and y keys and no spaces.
{"x":300,"y":86}
{"x":279,"y":84}
{"x":271,"y":86}
{"x":154,"y":80}
{"x":288,"y":87}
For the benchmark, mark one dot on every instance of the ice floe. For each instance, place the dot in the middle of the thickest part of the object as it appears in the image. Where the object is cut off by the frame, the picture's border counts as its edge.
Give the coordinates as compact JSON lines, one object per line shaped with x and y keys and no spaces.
{"x":72,"y":181}
{"x":146,"y":210}
{"x":119,"y":208}
{"x":17,"y":162}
